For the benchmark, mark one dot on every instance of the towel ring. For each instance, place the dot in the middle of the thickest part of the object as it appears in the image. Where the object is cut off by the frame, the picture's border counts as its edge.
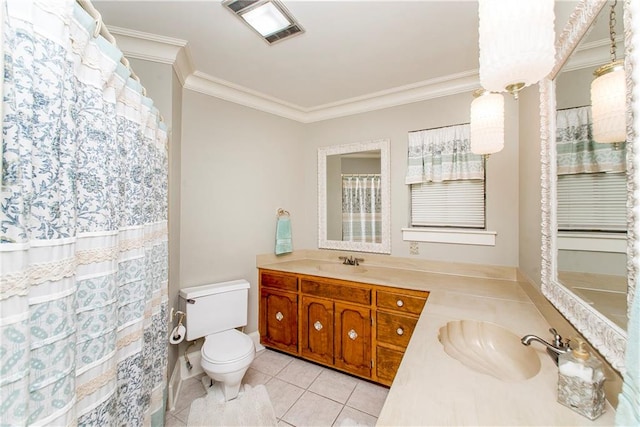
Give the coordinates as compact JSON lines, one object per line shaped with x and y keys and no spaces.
{"x":282,"y":212}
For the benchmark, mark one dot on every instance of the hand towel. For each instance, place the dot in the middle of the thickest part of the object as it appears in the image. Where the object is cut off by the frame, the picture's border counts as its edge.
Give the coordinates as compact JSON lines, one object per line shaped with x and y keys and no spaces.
{"x":628,"y":410}
{"x":284,"y":244}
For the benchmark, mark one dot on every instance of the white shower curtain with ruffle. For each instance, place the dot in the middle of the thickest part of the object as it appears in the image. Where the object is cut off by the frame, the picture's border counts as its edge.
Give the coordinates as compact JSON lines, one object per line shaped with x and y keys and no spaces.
{"x":83,"y":228}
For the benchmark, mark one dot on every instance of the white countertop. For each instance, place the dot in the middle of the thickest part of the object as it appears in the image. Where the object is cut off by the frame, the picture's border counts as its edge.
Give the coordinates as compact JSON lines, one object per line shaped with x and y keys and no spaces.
{"x":432,"y":388}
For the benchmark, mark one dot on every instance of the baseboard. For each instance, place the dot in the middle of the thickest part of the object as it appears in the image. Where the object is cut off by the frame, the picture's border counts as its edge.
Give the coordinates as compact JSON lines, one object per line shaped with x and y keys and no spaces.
{"x":182,"y":372}
{"x":255,"y":336}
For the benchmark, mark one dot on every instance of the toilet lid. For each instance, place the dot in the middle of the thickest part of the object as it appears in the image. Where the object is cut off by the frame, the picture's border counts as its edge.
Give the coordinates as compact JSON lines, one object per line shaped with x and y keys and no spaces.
{"x":226,"y":346}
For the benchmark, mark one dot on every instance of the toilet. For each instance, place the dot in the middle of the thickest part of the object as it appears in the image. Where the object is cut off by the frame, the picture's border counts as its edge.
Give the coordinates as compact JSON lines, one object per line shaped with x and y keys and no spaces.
{"x":214,"y":312}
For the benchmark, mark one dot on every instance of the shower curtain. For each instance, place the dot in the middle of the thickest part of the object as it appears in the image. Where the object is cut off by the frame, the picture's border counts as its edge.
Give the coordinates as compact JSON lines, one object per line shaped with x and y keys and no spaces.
{"x":361,"y":208}
{"x":83,"y":227}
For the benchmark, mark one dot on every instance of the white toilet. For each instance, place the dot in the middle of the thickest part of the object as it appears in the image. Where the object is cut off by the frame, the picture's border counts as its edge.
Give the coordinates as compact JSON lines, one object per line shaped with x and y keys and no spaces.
{"x":214,"y":311}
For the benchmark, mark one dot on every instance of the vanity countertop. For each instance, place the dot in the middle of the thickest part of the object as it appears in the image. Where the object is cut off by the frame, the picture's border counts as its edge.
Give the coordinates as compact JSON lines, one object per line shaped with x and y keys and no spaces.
{"x":431,"y":388}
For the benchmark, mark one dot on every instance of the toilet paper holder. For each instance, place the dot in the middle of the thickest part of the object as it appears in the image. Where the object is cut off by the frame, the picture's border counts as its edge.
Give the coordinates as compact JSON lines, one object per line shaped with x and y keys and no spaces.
{"x":175,"y":313}
{"x":177,"y":335}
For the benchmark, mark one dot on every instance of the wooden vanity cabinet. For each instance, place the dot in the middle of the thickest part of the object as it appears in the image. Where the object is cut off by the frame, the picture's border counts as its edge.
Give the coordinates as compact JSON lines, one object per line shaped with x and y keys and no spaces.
{"x":397,"y":313}
{"x":278,"y":322}
{"x":359,"y":328}
{"x":336,"y":318}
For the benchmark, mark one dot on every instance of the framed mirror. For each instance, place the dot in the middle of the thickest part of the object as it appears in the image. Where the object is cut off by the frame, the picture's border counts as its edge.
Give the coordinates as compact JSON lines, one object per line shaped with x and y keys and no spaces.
{"x":354,"y":199}
{"x":597,"y":312}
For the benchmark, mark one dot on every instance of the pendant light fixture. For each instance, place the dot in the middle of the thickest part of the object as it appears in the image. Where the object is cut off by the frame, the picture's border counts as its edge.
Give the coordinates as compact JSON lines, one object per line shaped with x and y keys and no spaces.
{"x":516,"y":43}
{"x":487,"y":122}
{"x":609,"y":95}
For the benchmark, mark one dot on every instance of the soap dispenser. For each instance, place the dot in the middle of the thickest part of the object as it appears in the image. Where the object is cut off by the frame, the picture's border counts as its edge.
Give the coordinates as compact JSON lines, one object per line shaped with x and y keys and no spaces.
{"x":580,"y":381}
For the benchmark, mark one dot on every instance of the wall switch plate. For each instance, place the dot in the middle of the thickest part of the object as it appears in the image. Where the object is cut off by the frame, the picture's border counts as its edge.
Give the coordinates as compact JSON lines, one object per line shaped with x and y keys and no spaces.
{"x":414,"y":248}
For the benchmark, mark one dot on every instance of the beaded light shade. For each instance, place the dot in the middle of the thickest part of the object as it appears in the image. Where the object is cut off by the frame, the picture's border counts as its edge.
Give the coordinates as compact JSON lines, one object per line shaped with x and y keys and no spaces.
{"x":609,"y":95}
{"x":487,"y":122}
{"x":608,"y":104}
{"x":516,"y":43}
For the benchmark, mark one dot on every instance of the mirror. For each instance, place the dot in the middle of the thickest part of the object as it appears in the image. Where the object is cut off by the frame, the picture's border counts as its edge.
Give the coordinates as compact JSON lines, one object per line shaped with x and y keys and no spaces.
{"x":599,"y":320}
{"x":354,"y":201}
{"x":591,"y":245}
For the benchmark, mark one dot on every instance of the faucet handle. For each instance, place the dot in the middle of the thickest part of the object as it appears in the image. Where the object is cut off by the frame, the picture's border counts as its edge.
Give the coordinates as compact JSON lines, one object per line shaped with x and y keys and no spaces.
{"x":357,"y":261}
{"x":557,"y":339}
{"x":344,"y":259}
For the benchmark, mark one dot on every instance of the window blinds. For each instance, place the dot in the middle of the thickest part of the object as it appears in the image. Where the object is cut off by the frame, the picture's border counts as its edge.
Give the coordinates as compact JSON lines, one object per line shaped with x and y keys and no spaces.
{"x":592,"y":201}
{"x":448,"y":204}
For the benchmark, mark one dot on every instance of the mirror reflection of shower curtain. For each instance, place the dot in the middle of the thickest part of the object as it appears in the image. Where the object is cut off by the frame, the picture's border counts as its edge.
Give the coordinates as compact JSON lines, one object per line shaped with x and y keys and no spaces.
{"x":361,"y":208}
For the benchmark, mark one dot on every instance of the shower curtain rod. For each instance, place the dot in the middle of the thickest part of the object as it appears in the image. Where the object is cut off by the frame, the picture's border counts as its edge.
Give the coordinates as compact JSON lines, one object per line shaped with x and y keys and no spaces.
{"x":101,"y":29}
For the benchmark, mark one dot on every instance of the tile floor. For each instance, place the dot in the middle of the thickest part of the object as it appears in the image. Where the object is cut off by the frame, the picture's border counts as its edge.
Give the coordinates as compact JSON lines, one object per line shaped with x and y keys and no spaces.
{"x":302,"y":393}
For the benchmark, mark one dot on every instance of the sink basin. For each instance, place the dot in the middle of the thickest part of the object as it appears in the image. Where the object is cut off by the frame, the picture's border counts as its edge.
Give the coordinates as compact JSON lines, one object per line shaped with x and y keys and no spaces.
{"x":341,"y":268}
{"x":489,"y":349}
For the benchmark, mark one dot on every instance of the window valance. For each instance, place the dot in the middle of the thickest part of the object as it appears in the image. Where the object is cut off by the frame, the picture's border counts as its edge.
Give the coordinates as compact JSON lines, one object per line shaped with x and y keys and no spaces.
{"x":578,"y":152}
{"x":442,"y":154}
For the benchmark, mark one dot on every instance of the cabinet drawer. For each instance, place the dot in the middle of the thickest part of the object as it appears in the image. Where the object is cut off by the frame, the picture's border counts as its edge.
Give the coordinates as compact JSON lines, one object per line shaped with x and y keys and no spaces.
{"x":400,"y":302}
{"x":336,"y":291}
{"x":278,"y":281}
{"x":394,"y":328}
{"x":387,"y":364}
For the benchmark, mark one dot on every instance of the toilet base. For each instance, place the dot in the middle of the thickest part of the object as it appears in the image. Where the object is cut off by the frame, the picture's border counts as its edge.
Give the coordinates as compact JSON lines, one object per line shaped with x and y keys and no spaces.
{"x":216,"y":389}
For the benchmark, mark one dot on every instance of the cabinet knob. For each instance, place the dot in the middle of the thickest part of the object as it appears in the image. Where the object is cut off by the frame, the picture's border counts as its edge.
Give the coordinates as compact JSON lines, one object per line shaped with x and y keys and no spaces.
{"x":399,"y":331}
{"x":399,"y":303}
{"x":352,"y":334}
{"x":317,"y":325}
{"x":279,"y":316}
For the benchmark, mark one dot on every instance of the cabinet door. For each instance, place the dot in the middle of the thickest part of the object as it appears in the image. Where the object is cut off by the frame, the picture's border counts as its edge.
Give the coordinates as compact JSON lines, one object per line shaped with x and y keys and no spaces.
{"x":279,"y":320}
{"x":317,"y":329}
{"x":387,"y":363}
{"x":353,"y":339}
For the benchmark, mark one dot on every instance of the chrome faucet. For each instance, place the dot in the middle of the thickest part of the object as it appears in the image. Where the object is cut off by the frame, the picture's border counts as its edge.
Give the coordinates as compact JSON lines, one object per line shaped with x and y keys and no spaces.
{"x":351,"y":260}
{"x":554,"y":349}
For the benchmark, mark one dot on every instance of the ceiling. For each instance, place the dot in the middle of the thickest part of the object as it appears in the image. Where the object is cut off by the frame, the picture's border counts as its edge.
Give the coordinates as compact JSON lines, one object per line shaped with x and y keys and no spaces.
{"x":351,"y":51}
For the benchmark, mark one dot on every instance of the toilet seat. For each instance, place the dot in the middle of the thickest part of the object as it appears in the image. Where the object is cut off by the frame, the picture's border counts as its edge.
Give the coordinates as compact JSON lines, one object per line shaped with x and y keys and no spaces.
{"x":227,"y":347}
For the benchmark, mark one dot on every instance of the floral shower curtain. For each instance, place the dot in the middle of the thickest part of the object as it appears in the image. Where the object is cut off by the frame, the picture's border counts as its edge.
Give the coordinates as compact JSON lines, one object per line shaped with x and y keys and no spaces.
{"x":361,"y":208}
{"x":83,"y":228}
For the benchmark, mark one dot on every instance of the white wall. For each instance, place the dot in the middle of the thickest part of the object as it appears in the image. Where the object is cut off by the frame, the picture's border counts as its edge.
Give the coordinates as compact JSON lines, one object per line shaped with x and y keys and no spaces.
{"x":239,"y":165}
{"x":395,"y":123}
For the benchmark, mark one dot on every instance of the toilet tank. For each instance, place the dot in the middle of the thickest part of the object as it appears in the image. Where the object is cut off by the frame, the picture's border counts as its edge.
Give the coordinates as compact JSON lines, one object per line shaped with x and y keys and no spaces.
{"x":214,"y":308}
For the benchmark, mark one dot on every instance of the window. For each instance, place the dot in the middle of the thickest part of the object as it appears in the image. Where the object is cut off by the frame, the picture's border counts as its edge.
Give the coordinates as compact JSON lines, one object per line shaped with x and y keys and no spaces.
{"x":592,"y":189}
{"x":446,"y":179}
{"x":448,"y":204}
{"x":592,"y":202}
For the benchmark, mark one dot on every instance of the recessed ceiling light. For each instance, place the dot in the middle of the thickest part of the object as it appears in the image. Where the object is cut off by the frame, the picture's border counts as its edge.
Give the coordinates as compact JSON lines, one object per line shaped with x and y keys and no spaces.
{"x":266,"y":19}
{"x":269,"y":18}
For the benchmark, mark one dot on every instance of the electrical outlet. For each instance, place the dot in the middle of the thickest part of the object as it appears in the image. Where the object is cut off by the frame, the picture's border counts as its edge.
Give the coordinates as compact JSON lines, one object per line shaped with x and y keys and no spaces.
{"x":414,"y":248}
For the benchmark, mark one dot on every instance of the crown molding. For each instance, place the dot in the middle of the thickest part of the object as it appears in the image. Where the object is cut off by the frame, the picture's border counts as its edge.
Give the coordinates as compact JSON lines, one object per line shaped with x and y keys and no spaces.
{"x":428,"y":89}
{"x":208,"y":85}
{"x":590,"y":54}
{"x":166,"y":50}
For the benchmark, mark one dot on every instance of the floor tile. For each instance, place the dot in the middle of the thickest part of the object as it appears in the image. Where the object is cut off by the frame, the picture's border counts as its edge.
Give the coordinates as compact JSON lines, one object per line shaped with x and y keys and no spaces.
{"x":300,"y":373}
{"x":171,"y":421}
{"x":283,"y":395}
{"x":368,"y":397}
{"x":190,"y":390}
{"x":334,"y":385}
{"x":353,"y":417}
{"x":271,"y":362}
{"x":312,"y":410}
{"x":254,"y":377}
